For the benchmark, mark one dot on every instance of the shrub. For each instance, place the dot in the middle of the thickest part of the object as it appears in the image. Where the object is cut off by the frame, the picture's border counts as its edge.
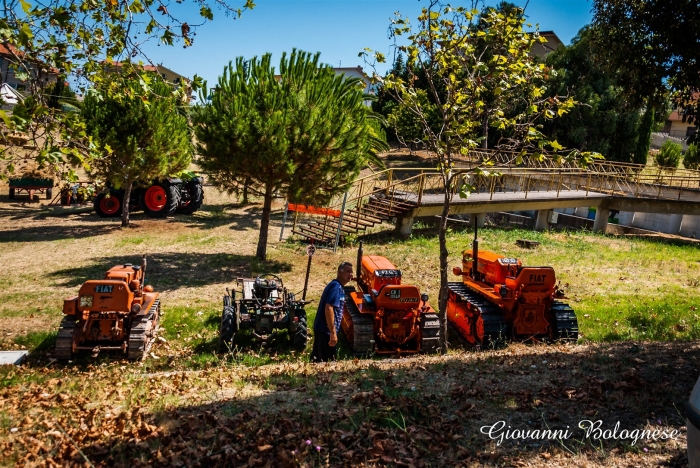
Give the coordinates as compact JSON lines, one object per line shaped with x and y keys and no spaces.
{"x":670,"y":154}
{"x":691,"y":160}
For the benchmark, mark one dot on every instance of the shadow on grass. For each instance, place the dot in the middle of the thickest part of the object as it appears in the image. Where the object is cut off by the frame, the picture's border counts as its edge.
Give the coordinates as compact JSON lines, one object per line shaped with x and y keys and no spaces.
{"x":172,"y":271}
{"x":432,"y":411}
{"x":52,"y":232}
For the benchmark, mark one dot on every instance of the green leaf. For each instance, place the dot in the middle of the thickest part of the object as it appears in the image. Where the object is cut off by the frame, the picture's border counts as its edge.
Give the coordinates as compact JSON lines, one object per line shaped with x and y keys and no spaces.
{"x":26,"y":7}
{"x":25,"y":34}
{"x":206,"y":12}
{"x":555,"y":145}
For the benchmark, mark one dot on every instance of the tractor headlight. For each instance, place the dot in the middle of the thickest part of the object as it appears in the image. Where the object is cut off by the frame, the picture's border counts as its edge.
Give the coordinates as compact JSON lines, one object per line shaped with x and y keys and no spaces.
{"x":85,"y":301}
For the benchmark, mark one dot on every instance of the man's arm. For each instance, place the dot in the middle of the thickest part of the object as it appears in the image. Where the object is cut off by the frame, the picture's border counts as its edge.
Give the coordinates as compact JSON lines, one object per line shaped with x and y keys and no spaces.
{"x":330,"y":321}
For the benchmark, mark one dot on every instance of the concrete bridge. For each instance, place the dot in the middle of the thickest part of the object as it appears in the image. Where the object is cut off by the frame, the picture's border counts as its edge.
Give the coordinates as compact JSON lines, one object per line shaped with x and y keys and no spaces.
{"x":406,"y":194}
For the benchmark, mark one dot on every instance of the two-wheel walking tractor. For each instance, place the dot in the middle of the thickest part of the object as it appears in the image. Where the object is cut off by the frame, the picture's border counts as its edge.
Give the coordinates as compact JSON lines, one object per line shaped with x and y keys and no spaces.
{"x":263,"y":305}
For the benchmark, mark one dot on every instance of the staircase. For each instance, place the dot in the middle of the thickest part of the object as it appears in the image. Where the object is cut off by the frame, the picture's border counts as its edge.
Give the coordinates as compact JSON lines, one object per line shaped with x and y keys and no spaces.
{"x":375,"y":210}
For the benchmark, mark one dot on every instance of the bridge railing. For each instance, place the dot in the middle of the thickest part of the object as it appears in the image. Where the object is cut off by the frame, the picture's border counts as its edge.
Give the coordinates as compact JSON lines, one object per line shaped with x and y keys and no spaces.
{"x":630,"y":180}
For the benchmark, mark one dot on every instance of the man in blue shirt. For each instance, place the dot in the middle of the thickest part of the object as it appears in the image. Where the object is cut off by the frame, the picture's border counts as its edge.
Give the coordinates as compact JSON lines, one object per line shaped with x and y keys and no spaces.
{"x":328,"y":315}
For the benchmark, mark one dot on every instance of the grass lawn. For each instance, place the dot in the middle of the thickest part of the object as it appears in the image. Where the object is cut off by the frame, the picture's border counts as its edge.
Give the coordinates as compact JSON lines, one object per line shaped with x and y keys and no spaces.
{"x":636,"y":301}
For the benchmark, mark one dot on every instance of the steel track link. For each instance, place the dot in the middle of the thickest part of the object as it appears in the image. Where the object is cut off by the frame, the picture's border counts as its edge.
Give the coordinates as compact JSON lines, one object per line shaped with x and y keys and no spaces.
{"x":430,"y":333}
{"x":565,"y":322}
{"x":495,"y":327}
{"x":142,"y":333}
{"x":362,"y":329}
{"x":64,"y":339}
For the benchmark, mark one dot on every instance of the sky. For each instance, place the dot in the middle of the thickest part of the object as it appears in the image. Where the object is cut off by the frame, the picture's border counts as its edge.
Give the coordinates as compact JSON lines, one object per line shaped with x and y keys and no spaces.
{"x":339,"y":29}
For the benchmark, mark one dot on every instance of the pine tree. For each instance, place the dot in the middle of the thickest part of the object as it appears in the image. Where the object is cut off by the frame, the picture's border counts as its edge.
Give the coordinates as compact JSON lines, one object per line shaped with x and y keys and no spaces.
{"x":304,"y":133}
{"x":136,"y":140}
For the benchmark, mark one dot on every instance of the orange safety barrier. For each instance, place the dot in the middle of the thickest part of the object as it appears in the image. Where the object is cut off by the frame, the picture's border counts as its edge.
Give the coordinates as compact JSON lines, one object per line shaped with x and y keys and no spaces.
{"x":313,"y":210}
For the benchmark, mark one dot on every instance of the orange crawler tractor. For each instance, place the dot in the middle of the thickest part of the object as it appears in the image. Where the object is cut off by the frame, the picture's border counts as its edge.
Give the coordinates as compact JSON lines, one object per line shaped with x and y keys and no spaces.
{"x":116,"y":313}
{"x":385,"y":316}
{"x":498,"y":298}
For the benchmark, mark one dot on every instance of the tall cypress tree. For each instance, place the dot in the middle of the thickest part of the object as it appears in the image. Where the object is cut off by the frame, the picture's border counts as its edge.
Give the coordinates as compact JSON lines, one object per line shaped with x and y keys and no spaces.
{"x":641,"y":151}
{"x":304,"y":133}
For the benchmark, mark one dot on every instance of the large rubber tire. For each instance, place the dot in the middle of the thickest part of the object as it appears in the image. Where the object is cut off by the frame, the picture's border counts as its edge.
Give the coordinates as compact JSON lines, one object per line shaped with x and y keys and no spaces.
{"x":108,"y":207}
{"x":11,"y":196}
{"x":194,"y":187}
{"x":301,"y":332}
{"x":160,"y":200}
{"x":228,"y":327}
{"x":49,"y":193}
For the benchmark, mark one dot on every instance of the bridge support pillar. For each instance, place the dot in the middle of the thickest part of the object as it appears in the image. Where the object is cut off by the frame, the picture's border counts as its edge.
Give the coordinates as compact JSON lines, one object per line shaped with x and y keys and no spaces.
{"x":542,"y":220}
{"x":404,"y":225}
{"x":600,"y":224}
{"x":478,"y":218}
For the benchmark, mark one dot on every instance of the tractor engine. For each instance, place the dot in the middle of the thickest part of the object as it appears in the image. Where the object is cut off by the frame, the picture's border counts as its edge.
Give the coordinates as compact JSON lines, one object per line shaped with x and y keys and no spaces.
{"x":524,"y":293}
{"x":385,"y":316}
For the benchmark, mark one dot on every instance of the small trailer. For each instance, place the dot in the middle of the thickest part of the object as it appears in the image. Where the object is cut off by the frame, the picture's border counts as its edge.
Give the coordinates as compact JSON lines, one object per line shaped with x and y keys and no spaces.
{"x":31,"y":185}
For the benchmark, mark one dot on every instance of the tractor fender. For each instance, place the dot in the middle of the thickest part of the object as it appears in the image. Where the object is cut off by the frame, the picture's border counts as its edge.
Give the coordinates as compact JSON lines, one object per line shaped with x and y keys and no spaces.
{"x":148,"y":301}
{"x":70,"y":305}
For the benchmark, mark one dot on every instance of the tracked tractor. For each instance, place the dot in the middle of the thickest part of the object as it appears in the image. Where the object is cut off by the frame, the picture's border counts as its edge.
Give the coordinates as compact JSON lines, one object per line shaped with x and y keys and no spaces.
{"x":384,"y":316}
{"x":499,"y":299}
{"x":118,"y":312}
{"x":263,"y":305}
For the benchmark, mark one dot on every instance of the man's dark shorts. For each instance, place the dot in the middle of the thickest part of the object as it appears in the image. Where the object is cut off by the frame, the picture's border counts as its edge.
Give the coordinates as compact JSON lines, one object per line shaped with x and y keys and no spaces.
{"x":321,"y":351}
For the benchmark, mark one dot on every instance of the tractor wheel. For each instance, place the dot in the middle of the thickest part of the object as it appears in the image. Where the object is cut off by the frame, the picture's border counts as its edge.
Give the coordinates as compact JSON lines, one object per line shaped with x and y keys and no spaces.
{"x":160,"y":200}
{"x":228,"y":327}
{"x":49,"y":193}
{"x":301,"y":332}
{"x":194,"y":187}
{"x":11,"y":196}
{"x":108,"y":206}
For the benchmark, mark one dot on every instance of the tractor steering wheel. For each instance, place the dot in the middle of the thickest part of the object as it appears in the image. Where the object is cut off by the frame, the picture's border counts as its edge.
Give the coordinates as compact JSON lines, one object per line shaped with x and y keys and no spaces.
{"x":268,"y":281}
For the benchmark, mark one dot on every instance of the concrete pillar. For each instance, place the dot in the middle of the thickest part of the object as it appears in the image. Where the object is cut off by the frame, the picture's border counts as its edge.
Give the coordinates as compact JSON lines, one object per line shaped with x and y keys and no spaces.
{"x":404,"y":225}
{"x":479,"y":218}
{"x":675,"y":224}
{"x":601,"y":219}
{"x":542,"y":220}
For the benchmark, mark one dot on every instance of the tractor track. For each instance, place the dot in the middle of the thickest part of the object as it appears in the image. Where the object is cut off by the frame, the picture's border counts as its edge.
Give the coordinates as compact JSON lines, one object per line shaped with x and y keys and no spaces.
{"x":430,"y":333}
{"x":495,"y":327}
{"x":362,"y":328}
{"x":143,"y":332}
{"x":64,"y":339}
{"x":565,"y":322}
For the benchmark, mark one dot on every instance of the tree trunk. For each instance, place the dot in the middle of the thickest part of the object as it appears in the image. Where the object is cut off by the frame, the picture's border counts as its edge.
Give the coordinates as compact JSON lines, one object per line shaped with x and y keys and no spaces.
{"x":641,"y":152}
{"x":261,"y":253}
{"x":125,"y":203}
{"x":442,"y":234}
{"x":485,"y":130}
{"x":245,"y":191}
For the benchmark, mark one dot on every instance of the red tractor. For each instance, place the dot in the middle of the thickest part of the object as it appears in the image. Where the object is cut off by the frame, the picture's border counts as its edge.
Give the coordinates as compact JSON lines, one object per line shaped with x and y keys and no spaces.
{"x":385,"y":316}
{"x":499,"y":299}
{"x":157,"y":200}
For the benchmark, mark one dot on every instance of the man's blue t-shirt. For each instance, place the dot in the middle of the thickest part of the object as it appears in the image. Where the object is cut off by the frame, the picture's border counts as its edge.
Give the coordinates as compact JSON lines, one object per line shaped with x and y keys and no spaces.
{"x":334,"y":294}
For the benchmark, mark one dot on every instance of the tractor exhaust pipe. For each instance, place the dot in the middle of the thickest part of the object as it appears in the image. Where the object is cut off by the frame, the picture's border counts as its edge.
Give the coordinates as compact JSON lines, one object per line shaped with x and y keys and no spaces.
{"x":358,"y":268}
{"x":143,"y":272}
{"x":475,"y":251}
